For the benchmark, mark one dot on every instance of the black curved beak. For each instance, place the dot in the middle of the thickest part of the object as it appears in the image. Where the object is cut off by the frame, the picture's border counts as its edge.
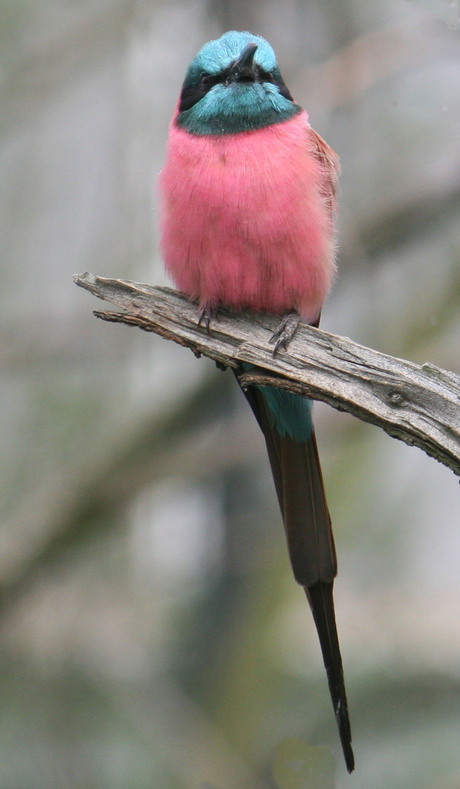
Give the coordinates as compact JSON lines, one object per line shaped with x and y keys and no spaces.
{"x":243,"y":67}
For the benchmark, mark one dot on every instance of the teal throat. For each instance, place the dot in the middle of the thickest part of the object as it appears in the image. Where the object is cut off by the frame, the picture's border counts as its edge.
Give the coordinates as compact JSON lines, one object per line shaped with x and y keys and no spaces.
{"x":239,"y":107}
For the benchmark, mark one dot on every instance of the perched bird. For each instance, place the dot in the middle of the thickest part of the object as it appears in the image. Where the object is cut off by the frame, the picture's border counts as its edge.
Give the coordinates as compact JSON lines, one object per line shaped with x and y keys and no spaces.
{"x":249,"y":198}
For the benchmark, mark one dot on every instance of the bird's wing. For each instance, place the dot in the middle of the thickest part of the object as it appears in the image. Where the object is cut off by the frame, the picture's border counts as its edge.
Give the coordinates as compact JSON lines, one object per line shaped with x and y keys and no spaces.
{"x":330,"y":167}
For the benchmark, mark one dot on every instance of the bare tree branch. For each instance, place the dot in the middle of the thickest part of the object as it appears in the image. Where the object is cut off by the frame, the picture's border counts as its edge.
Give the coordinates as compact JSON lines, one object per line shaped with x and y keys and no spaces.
{"x":419,"y":404}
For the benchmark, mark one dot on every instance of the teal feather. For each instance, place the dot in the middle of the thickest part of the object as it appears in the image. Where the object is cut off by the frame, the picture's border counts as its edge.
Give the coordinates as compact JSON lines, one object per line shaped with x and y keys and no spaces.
{"x":242,"y":106}
{"x":215,"y":56}
{"x":291,"y":413}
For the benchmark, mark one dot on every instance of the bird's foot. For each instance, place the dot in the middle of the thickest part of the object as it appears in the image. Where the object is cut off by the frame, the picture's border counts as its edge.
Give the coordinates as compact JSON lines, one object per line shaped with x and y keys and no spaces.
{"x":285,"y":331}
{"x":207,"y":315}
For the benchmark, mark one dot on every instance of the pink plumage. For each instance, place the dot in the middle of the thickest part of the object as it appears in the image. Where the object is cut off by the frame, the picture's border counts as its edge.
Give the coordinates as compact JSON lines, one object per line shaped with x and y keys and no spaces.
{"x":248,"y":222}
{"x":247,"y":218}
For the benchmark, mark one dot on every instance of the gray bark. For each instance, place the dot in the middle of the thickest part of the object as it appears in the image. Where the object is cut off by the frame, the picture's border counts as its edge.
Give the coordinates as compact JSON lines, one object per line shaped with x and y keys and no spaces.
{"x":418,"y":404}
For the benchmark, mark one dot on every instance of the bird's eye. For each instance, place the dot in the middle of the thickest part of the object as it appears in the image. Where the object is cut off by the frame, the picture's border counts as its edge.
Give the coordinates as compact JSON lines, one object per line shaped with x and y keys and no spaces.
{"x":205,"y":79}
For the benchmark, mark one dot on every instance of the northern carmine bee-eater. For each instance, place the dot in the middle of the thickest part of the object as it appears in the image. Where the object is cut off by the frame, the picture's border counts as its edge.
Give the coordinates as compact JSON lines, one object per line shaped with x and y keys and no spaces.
{"x":249,"y":198}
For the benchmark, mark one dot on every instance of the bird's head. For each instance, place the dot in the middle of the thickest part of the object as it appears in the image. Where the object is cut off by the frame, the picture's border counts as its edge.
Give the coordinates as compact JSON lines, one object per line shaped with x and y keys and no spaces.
{"x":233,"y":85}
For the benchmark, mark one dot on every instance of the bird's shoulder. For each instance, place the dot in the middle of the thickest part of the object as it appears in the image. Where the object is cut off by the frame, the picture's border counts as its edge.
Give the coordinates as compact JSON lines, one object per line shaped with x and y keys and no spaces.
{"x":330,"y":166}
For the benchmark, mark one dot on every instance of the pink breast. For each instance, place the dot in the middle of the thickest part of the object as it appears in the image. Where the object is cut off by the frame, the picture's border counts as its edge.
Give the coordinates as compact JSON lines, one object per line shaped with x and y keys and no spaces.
{"x":244,"y":222}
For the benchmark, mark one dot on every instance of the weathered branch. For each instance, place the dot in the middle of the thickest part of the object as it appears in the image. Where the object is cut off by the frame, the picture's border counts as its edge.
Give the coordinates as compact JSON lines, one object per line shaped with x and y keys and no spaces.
{"x":419,"y":404}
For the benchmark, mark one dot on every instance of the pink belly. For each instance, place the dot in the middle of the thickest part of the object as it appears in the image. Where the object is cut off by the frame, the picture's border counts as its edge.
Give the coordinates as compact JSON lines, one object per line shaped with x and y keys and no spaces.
{"x":244,"y":222}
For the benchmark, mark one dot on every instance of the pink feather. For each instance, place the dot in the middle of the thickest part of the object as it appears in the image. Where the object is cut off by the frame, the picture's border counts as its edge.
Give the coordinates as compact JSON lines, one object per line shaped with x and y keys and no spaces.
{"x":247,"y":218}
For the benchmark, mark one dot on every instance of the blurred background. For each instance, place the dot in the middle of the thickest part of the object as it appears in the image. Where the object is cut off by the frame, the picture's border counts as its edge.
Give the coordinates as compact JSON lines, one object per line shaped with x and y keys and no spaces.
{"x":151,"y":633}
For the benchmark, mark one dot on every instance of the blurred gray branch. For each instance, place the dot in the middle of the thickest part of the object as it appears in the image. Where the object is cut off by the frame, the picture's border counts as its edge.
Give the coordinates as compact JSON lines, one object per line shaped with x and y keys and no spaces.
{"x":419,"y":404}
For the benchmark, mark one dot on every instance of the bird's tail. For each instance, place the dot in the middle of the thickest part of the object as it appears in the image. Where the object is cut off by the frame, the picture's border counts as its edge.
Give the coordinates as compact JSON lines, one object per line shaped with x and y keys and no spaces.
{"x":299,"y":486}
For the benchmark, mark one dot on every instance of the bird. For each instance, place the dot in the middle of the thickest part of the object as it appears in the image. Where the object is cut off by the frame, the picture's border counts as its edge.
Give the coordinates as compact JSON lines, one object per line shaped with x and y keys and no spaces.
{"x":248,"y":223}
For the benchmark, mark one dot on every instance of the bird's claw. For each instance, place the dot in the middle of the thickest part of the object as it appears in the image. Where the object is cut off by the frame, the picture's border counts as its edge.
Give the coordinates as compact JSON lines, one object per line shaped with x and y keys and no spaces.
{"x":206,"y":316}
{"x":285,"y":331}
